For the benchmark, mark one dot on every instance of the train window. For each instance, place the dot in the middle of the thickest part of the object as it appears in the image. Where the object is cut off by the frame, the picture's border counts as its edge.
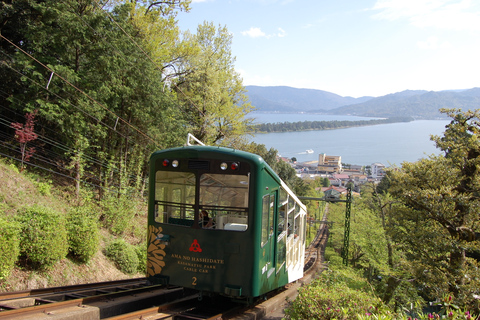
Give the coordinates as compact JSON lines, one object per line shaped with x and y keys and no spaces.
{"x":291,"y":203}
{"x":281,"y":218}
{"x":174,"y":197}
{"x":265,"y":212}
{"x":291,"y":224}
{"x":283,"y":196}
{"x":298,"y":226}
{"x":281,"y":250}
{"x":272,"y":214}
{"x":226,"y":199}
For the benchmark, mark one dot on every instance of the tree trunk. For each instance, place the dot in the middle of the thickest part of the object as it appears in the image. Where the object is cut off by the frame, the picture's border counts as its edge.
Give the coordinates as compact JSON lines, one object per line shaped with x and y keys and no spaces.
{"x":392,"y":284}
{"x":457,"y":265}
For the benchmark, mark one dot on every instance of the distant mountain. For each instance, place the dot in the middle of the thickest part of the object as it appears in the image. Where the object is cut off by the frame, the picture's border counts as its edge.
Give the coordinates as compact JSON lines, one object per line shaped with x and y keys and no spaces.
{"x":288,"y":99}
{"x":419,"y":104}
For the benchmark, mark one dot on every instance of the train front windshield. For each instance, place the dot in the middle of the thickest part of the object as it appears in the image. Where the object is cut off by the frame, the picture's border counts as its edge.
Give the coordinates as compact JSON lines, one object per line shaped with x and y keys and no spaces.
{"x":213,"y":201}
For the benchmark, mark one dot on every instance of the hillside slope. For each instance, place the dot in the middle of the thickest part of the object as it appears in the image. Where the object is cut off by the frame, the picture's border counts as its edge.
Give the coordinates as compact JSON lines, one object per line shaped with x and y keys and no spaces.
{"x":18,"y":190}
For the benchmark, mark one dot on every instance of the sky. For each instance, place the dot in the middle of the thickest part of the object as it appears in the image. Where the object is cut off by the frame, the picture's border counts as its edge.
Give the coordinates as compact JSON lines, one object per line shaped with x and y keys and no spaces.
{"x":349,"y":47}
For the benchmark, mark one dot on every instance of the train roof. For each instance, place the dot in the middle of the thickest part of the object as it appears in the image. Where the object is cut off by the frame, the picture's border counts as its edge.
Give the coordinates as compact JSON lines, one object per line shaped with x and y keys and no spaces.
{"x":195,"y":150}
{"x":255,"y":158}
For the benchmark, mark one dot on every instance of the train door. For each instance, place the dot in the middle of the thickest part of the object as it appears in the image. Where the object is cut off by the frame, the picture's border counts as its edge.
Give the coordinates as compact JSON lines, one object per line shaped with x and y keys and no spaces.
{"x":268,"y":229}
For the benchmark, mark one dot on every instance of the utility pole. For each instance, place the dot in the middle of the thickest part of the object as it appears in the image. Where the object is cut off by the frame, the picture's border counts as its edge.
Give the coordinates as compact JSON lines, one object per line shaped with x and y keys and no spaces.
{"x":346,"y":236}
{"x":348,"y":209}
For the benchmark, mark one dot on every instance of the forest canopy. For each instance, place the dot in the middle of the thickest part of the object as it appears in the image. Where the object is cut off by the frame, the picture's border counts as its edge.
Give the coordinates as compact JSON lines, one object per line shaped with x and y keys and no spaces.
{"x":111,"y":82}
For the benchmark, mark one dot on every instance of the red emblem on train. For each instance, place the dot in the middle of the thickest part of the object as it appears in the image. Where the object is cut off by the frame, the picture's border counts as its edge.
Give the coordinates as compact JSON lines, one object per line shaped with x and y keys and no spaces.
{"x":195,"y":246}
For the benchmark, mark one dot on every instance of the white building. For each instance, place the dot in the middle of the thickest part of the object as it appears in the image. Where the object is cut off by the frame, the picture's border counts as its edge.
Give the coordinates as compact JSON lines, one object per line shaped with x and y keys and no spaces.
{"x":378,"y":170}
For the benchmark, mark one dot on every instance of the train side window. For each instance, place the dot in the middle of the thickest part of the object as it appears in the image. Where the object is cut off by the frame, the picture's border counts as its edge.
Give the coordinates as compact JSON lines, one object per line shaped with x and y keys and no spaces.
{"x":281,"y":250}
{"x":281,"y":218}
{"x":283,"y":195}
{"x":271,"y":214}
{"x":291,"y":214}
{"x":265,"y":218}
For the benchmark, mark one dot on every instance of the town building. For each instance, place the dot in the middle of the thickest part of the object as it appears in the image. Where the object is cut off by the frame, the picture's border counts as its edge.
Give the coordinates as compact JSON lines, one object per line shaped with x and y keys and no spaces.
{"x":378,"y":170}
{"x":329,"y":164}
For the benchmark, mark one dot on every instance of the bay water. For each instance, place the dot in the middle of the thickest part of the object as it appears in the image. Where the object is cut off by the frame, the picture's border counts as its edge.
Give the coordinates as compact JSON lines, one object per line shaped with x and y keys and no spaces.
{"x":389,"y":144}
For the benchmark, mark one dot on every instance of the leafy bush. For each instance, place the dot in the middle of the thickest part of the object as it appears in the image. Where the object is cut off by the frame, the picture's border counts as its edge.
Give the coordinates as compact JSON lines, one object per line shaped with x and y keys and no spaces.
{"x":83,"y":234}
{"x":141,"y":251}
{"x":123,"y":255}
{"x":10,"y":247}
{"x":43,"y":240}
{"x":336,"y":301}
{"x":43,"y":187}
{"x":118,"y":213}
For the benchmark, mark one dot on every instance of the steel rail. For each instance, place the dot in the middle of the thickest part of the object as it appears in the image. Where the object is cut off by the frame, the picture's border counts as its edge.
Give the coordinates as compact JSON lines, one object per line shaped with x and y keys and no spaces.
{"x":43,"y":291}
{"x":51,"y":306}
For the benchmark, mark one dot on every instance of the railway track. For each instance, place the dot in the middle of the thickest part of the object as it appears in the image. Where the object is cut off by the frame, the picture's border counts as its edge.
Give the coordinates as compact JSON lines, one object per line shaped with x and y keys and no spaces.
{"x":136,"y":299}
{"x":316,"y":248}
{"x":89,"y":301}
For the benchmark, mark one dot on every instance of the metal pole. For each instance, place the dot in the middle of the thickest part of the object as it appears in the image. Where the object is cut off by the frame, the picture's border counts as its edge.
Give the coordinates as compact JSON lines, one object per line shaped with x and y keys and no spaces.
{"x":346,"y":238}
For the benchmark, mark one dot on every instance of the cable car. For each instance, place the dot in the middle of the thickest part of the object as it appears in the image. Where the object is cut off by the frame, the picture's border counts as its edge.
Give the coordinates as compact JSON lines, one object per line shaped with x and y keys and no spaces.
{"x":220,"y":220}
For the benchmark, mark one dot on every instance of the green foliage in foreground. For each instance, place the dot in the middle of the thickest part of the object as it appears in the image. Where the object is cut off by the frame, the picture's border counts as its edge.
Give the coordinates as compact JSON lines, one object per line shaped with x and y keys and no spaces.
{"x":340,"y":293}
{"x":83,"y":234}
{"x":334,"y":295}
{"x":9,"y":244}
{"x":141,"y":251}
{"x":43,"y":240}
{"x":123,"y":255}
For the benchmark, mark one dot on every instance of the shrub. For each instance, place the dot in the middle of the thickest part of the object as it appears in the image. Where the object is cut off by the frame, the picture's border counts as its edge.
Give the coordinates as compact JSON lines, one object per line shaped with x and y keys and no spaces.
{"x":10,"y":247}
{"x":118,"y":213}
{"x":123,"y":255}
{"x":335,"y":295}
{"x":83,"y":234}
{"x":43,"y":187}
{"x":43,"y":237}
{"x":141,"y":251}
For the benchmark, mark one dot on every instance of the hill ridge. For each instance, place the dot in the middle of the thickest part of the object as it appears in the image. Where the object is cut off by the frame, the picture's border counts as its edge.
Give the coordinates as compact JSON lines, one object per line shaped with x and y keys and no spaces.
{"x":419,"y":104}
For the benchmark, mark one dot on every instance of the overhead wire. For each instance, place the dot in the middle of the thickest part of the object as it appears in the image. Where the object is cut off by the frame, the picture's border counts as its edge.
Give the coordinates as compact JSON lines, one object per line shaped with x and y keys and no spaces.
{"x":56,"y":155}
{"x":153,"y":62}
{"x":92,"y":99}
{"x":79,"y":90}
{"x":67,"y":149}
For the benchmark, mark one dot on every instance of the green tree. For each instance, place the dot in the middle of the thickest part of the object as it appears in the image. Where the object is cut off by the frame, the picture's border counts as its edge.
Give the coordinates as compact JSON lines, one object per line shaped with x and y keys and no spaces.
{"x":325,"y":182}
{"x":439,"y":224}
{"x":211,"y":91}
{"x":283,"y":169}
{"x":88,"y":77}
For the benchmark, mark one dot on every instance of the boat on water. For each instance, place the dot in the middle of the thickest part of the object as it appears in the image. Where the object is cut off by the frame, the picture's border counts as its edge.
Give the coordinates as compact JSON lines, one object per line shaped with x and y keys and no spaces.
{"x":309,"y":151}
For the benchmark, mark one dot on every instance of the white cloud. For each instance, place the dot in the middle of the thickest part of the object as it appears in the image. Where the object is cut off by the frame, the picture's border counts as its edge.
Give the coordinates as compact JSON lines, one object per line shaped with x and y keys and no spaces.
{"x":433,"y":43}
{"x":442,"y":14}
{"x":254,"y":32}
{"x":281,"y":33}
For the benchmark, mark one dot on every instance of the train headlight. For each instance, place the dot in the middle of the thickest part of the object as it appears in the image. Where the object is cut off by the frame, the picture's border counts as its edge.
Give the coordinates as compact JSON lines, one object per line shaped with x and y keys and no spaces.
{"x":175,"y":163}
{"x":165,"y":163}
{"x":223,"y":166}
{"x":234,"y":166}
